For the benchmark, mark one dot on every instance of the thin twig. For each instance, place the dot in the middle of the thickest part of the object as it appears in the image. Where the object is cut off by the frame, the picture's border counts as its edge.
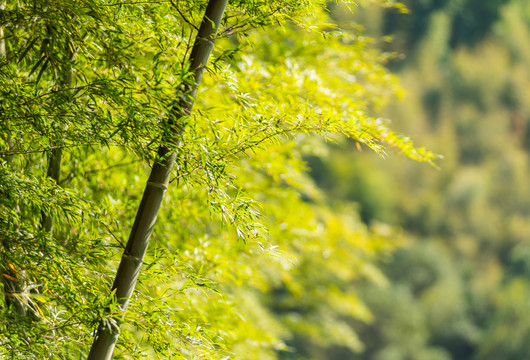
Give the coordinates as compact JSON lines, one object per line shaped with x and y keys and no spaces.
{"x":119,"y":3}
{"x":231,"y":29}
{"x":42,"y":149}
{"x":92,"y":171}
{"x":188,"y":47}
{"x":182,"y":15}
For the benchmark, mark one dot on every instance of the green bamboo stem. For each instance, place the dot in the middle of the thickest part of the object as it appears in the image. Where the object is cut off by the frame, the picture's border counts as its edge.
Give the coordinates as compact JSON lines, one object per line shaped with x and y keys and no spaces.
{"x":133,"y":255}
{"x":53,"y":171}
{"x":56,"y":154}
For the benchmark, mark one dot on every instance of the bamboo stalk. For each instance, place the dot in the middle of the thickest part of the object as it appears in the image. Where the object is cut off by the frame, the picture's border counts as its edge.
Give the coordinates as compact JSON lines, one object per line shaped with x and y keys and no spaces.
{"x":133,"y":255}
{"x":56,"y":154}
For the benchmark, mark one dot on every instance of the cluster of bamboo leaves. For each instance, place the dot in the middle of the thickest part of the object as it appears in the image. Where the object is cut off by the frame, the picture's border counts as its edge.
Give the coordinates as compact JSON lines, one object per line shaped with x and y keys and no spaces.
{"x":86,"y":92}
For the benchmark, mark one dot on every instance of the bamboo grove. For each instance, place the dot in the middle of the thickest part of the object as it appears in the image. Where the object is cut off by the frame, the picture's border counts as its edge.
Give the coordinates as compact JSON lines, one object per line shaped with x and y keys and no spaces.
{"x":97,"y":94}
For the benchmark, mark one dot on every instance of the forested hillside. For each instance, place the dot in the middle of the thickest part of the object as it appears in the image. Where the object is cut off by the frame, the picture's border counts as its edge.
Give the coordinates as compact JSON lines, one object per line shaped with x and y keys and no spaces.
{"x":155,"y":201}
{"x":460,"y":288}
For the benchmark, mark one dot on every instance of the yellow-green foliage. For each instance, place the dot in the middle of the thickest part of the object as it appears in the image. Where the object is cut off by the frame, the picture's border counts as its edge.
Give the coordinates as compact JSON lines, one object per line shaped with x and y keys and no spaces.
{"x":247,"y":254}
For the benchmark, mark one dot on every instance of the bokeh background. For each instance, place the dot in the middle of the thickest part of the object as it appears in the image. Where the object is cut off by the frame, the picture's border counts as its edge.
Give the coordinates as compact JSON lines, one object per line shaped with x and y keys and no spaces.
{"x":460,"y":288}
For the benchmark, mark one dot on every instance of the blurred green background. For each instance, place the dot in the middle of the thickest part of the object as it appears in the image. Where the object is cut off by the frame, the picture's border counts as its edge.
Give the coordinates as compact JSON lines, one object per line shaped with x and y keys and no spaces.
{"x":460,"y":288}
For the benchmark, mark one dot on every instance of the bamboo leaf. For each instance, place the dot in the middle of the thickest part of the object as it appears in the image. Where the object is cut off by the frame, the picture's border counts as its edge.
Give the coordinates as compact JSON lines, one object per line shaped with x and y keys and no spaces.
{"x":36,"y":66}
{"x":43,"y":68}
{"x":9,"y":277}
{"x":27,"y":49}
